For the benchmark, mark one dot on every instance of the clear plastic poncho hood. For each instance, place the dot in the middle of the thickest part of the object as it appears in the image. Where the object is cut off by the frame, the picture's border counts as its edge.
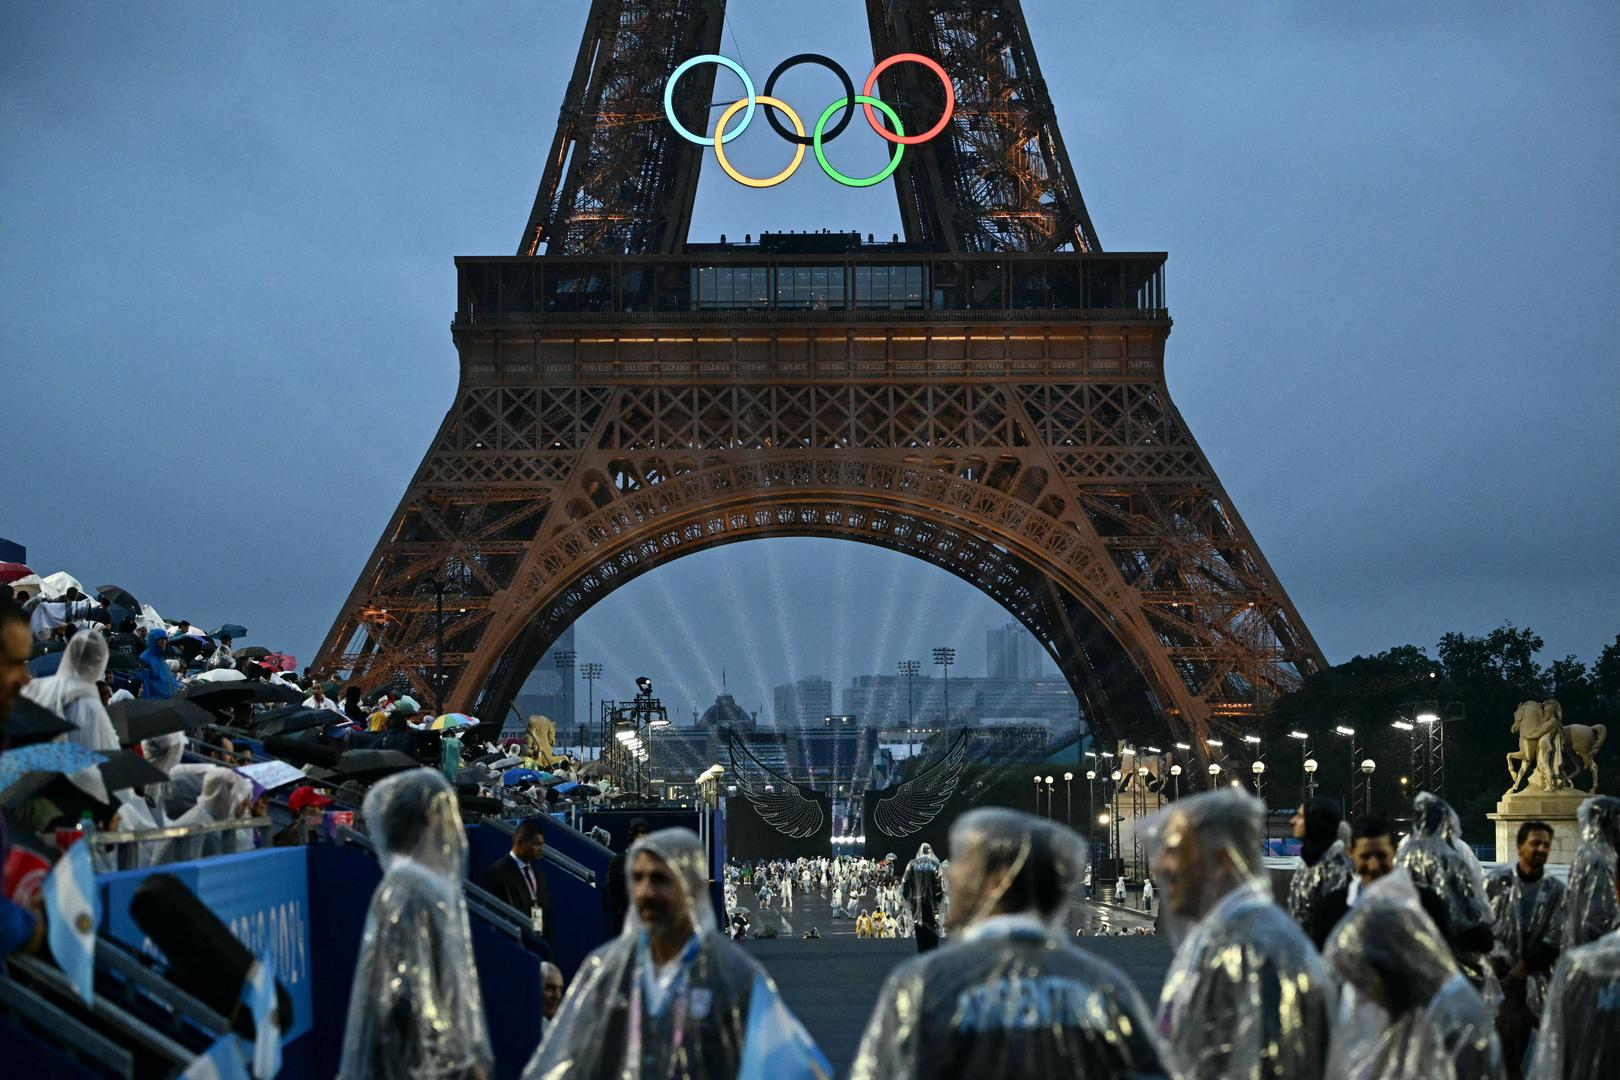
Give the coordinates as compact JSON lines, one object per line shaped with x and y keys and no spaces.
{"x":1534,"y":936}
{"x":1441,"y":864}
{"x":1246,"y":995}
{"x":1580,"y":1038}
{"x":1591,"y":908}
{"x":620,"y":1020}
{"x":415,"y":1010}
{"x":1009,"y":996}
{"x":1430,"y":1023}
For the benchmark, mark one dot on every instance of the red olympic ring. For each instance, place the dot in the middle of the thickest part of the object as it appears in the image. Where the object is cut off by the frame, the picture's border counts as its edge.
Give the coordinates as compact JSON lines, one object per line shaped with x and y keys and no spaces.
{"x":931,"y":65}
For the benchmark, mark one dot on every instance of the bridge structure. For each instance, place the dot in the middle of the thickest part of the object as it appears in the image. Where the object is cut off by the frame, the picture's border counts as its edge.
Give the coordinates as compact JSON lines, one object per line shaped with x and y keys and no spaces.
{"x":986,"y":394}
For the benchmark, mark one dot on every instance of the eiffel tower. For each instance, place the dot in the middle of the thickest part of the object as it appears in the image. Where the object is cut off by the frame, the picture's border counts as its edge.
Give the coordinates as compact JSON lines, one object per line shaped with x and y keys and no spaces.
{"x":987,"y":395}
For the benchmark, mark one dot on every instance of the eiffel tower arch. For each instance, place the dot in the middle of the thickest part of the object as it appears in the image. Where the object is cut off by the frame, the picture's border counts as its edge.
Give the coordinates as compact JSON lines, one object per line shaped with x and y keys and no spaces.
{"x":987,"y":395}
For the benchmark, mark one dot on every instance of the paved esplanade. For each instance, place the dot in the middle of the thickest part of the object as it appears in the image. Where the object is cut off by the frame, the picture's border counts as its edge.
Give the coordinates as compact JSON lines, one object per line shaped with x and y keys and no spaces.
{"x":832,"y":984}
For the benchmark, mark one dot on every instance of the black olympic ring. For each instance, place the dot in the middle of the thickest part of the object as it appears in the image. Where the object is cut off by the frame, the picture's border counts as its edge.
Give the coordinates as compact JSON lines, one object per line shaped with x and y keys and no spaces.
{"x":831,"y":65}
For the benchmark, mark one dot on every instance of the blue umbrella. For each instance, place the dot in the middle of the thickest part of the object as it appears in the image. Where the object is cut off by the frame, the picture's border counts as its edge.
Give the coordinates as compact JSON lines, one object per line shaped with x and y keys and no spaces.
{"x":50,"y":757}
{"x":234,"y":631}
{"x":563,"y":789}
{"x":41,"y":666}
{"x":519,"y":776}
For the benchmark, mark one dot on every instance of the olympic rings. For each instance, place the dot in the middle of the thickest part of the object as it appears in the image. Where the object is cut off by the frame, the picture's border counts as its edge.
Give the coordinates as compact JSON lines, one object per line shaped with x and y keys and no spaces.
{"x":877,"y":177}
{"x":707,"y":58}
{"x":893,"y":132}
{"x":950,"y":98}
{"x":832,"y":66}
{"x":798,"y":151}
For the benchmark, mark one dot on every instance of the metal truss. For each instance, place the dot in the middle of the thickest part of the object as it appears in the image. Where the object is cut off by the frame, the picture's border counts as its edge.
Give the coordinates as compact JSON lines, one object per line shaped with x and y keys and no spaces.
{"x":998,"y":178}
{"x":619,"y":180}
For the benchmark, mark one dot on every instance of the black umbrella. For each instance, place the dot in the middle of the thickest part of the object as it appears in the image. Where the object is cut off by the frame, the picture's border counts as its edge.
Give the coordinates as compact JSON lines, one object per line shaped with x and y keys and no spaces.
{"x":190,"y":648}
{"x":126,"y":769}
{"x":122,"y":661}
{"x":117,"y":594}
{"x":252,"y":652}
{"x":234,"y":631}
{"x":291,"y":718}
{"x":31,"y":722}
{"x":221,"y":697}
{"x":145,"y":718}
{"x":376,"y":763}
{"x":270,"y":693}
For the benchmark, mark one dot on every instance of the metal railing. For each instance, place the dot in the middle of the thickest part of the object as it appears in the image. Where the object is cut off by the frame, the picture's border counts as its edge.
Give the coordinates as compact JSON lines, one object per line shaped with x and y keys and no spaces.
{"x":122,"y":846}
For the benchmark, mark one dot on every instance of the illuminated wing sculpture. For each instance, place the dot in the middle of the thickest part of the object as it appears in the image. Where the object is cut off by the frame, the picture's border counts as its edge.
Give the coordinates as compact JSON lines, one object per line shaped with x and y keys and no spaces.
{"x":909,"y":806}
{"x":784,"y":805}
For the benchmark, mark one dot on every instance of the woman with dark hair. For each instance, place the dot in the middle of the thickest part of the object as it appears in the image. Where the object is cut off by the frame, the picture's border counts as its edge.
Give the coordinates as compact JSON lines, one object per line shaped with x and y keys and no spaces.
{"x":1326,"y":864}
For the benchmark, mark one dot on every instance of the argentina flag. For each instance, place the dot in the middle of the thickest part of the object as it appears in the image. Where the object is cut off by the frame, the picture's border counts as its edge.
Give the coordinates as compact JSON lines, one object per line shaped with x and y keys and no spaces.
{"x":72,"y":910}
{"x":259,"y":992}
{"x":223,"y":1061}
{"x":776,"y":1046}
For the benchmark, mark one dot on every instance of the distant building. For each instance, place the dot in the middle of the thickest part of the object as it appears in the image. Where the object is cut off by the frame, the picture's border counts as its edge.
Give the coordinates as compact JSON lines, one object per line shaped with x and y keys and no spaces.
{"x":1011,"y":652}
{"x":805,"y":703}
{"x":725,"y":712}
{"x":549,"y":692}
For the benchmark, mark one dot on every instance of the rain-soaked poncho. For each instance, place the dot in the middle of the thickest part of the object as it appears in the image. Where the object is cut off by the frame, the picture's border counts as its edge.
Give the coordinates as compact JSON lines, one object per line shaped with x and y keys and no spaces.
{"x":1534,"y":937}
{"x":1580,"y":1033}
{"x":157,"y":681}
{"x":1246,"y":995}
{"x":627,"y":1019}
{"x":923,"y":886}
{"x":72,"y":693}
{"x":222,"y":793}
{"x":1419,"y":1017}
{"x":415,"y":1010}
{"x":1442,"y":865}
{"x":1591,"y":908}
{"x":1325,"y":865}
{"x":1009,"y":996}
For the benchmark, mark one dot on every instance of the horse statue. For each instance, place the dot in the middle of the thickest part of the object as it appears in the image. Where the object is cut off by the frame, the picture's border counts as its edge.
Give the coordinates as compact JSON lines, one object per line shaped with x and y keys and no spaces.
{"x":1544,"y":741}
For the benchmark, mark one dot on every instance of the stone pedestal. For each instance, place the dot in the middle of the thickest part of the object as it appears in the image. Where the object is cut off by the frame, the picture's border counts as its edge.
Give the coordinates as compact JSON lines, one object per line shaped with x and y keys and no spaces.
{"x":1556,"y":808}
{"x":1131,"y":812}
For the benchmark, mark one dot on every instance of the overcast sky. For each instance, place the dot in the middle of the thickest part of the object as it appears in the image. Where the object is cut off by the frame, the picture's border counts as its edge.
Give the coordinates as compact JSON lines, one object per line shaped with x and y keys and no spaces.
{"x":226,"y":284}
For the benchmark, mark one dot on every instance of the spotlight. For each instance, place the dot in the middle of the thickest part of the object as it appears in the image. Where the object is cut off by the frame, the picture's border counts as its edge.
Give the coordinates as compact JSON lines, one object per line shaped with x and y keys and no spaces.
{"x":644,"y":684}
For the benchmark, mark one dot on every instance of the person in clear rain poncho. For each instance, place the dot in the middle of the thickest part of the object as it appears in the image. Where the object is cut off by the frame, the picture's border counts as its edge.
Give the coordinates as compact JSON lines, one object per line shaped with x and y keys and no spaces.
{"x":671,"y":998}
{"x":1009,"y":996}
{"x":1325,"y":861}
{"x":415,"y":1011}
{"x":1441,"y":864}
{"x":1420,"y":1018}
{"x":73,"y":695}
{"x":1590,"y":906}
{"x":1246,"y":995}
{"x":923,"y":887}
{"x":1529,"y":907}
{"x":1580,"y":1031}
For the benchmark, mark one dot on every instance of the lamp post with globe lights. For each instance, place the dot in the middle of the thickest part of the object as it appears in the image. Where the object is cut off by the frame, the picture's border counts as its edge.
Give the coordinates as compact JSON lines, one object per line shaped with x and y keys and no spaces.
{"x":1175,"y":779}
{"x":1367,"y":767}
{"x":1310,"y":777}
{"x":1349,"y":734}
{"x":1068,"y":799}
{"x":1037,"y":794}
{"x":1050,"y":784}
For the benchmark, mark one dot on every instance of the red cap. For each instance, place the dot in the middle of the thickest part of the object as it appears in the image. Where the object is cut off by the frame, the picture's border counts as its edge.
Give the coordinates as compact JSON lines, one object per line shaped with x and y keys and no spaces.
{"x":305,"y":796}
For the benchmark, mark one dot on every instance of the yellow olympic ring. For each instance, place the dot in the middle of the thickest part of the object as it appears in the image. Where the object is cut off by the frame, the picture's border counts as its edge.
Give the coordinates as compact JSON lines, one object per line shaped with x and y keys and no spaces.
{"x":720,"y":150}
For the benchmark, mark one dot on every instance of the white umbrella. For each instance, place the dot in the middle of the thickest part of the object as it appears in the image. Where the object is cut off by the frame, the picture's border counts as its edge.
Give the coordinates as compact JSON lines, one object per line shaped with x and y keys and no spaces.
{"x":57,"y":584}
{"x":27,"y":586}
{"x":220,"y":675}
{"x":150,"y":620}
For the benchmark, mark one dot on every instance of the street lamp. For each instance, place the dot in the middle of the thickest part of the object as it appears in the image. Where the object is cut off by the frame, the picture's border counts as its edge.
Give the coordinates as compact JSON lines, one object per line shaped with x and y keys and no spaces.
{"x":1367,"y":767}
{"x":1259,"y":770}
{"x":1037,"y":793}
{"x":1355,"y":752}
{"x":590,"y":673}
{"x":1175,"y":776}
{"x":1049,"y":786}
{"x":908,"y":671}
{"x":1310,"y":777}
{"x":1068,"y":799}
{"x":945,"y":656}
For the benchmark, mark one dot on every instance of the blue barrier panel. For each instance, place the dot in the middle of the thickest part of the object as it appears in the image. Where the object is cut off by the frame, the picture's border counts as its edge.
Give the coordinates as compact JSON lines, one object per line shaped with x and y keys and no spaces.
{"x":509,"y":978}
{"x":342,"y":880}
{"x":263,"y":896}
{"x":27,"y":1055}
{"x":570,"y":842}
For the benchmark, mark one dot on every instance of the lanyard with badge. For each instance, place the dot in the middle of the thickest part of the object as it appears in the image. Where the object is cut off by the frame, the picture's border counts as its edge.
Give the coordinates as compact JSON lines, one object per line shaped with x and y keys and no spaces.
{"x":680,"y":997}
{"x":537,"y":916}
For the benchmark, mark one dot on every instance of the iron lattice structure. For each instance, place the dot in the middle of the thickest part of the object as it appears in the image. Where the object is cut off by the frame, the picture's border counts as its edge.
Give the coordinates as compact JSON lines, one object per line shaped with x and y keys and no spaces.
{"x":998,"y":178}
{"x":619,"y":179}
{"x":973,"y":398}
